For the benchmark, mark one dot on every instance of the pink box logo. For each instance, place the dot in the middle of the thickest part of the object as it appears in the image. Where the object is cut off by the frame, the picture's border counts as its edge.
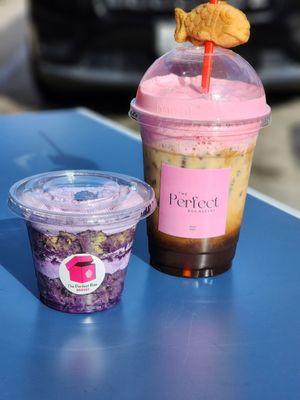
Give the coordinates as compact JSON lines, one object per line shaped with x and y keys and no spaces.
{"x":81,"y":269}
{"x":193,"y":202}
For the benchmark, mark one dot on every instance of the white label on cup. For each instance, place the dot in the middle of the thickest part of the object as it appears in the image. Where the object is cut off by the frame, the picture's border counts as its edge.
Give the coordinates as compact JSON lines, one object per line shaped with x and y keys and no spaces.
{"x":82,"y":273}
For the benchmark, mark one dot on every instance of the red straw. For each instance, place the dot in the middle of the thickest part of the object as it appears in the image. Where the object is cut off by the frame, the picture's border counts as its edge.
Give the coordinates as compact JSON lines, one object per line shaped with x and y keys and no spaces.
{"x":207,"y":61}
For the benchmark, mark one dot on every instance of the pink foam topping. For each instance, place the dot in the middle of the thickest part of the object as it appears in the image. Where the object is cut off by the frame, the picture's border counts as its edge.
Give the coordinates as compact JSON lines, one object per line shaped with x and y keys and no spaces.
{"x":172,"y":96}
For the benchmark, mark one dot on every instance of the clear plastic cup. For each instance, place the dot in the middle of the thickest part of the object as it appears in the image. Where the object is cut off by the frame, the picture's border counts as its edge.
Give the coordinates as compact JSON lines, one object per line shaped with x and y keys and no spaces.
{"x":81,"y":226}
{"x":198,"y":151}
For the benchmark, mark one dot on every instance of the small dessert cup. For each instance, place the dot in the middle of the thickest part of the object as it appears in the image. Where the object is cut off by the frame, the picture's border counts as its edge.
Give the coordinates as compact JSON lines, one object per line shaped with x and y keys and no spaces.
{"x":81,"y":226}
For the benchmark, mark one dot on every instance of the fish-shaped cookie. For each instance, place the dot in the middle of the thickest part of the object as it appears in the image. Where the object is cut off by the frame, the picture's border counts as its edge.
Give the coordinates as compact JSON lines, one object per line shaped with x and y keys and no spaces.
{"x":220,"y":23}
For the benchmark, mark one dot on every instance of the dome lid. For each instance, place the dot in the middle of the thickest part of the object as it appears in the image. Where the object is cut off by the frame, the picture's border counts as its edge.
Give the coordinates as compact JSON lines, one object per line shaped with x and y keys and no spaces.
{"x":171,"y":90}
{"x":79,"y":197}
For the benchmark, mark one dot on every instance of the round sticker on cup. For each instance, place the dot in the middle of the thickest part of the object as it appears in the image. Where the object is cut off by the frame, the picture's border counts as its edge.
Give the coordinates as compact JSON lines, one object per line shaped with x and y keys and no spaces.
{"x":82,"y":273}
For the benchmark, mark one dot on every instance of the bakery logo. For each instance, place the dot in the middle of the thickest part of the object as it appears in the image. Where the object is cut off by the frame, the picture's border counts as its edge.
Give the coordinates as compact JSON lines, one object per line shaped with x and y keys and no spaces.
{"x":193,"y":203}
{"x":81,"y":269}
{"x":82,"y":273}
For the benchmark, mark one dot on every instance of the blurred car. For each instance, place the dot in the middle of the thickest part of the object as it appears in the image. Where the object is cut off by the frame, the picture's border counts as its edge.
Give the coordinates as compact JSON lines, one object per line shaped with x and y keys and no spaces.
{"x":95,"y":44}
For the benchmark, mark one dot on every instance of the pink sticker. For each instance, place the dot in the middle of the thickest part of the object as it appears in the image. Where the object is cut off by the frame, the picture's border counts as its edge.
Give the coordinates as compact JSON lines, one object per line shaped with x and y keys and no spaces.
{"x":193,"y":202}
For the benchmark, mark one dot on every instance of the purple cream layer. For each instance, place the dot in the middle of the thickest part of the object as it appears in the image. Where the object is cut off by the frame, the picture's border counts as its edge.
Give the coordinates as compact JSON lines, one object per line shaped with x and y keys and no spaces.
{"x":113,"y":262}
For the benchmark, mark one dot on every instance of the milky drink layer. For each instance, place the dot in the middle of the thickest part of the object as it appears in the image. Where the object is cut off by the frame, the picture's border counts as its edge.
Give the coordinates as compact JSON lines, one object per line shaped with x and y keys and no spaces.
{"x":239,"y":163}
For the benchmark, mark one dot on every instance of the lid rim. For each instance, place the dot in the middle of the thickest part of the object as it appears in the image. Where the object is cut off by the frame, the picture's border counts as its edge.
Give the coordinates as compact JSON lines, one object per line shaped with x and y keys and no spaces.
{"x":135,"y":112}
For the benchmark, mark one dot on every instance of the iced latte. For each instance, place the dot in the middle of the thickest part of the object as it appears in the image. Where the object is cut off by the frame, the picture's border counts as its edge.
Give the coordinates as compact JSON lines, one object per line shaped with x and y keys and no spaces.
{"x":198,"y":150}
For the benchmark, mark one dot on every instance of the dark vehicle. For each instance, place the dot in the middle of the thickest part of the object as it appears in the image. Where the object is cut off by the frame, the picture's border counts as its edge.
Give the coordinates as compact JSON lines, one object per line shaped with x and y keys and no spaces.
{"x":96,"y":44}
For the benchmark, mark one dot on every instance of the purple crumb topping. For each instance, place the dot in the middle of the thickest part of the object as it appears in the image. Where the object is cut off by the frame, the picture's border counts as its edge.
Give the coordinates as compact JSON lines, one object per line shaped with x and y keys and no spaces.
{"x":47,"y":247}
{"x":55,"y":295}
{"x":50,"y":250}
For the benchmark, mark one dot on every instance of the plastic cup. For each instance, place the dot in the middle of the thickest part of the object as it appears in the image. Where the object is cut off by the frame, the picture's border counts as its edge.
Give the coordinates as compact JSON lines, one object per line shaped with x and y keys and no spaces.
{"x":81,"y":227}
{"x":198,"y":151}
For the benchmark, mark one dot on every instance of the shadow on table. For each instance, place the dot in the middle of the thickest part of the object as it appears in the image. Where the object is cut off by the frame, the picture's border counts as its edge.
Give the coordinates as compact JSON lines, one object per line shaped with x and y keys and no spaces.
{"x":140,"y":246}
{"x":67,"y":160}
{"x":15,"y":254}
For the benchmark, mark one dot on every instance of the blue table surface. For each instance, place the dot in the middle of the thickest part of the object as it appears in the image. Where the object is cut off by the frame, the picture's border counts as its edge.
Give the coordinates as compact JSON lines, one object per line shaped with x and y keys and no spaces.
{"x":233,"y":337}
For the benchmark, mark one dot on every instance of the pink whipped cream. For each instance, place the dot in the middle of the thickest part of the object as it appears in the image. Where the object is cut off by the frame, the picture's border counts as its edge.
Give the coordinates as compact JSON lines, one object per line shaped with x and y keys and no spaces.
{"x":171,"y":96}
{"x":169,"y":106}
{"x":105,"y":199}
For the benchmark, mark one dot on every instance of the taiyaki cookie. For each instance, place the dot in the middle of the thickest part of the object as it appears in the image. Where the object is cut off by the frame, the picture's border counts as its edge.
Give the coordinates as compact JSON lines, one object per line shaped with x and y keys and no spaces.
{"x":220,"y":23}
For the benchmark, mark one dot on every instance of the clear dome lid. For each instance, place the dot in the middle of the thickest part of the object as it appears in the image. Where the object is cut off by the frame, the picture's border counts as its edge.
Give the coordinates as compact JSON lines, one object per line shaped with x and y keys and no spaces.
{"x":171,"y":90}
{"x":81,"y":198}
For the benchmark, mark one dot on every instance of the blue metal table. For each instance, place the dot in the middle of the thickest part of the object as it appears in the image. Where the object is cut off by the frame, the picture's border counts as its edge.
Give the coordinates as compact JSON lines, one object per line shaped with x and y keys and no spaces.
{"x":233,"y":337}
